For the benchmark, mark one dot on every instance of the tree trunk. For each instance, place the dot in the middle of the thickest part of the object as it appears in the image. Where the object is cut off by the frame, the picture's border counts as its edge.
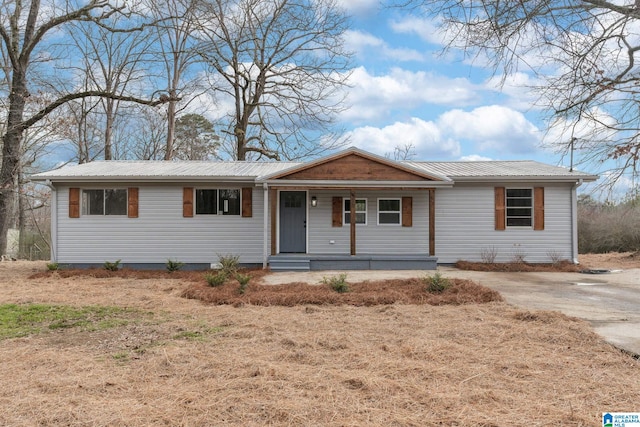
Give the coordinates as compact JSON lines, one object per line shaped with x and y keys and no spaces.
{"x":108,"y":131}
{"x":171,"y":126}
{"x":11,"y":153}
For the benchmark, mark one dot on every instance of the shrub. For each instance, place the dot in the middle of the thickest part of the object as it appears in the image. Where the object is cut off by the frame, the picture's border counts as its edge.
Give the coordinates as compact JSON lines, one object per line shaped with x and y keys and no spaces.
{"x":174,"y":265}
{"x":436,"y":283}
{"x":53,"y":266}
{"x":518,"y":255}
{"x":243,"y":279}
{"x":489,"y":254}
{"x":554,"y":256}
{"x":112,"y":266}
{"x":217,"y":279}
{"x":229,"y":264}
{"x":337,"y":283}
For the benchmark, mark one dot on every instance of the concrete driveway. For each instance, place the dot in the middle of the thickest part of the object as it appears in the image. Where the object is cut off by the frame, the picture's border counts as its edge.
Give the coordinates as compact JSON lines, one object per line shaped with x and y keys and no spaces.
{"x":610,"y":302}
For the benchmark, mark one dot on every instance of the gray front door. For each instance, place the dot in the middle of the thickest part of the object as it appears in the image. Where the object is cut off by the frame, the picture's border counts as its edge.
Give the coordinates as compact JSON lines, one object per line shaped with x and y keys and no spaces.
{"x":293,"y":222}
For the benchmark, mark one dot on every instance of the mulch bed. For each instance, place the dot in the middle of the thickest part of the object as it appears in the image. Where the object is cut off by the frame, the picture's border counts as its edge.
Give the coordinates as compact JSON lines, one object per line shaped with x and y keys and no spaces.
{"x":514,"y":267}
{"x":403,"y":291}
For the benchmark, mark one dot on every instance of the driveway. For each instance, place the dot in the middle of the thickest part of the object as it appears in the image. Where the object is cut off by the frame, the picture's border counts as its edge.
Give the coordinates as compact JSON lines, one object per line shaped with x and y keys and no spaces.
{"x":610,"y":302}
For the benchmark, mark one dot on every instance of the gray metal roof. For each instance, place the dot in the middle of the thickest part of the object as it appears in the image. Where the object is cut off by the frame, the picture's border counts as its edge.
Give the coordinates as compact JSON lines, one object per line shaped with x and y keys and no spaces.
{"x":150,"y":170}
{"x":162,"y":170}
{"x":490,"y":170}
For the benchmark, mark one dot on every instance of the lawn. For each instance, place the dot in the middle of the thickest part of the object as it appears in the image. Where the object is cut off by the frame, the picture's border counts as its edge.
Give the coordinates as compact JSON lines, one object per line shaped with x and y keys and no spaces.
{"x":155,"y":357}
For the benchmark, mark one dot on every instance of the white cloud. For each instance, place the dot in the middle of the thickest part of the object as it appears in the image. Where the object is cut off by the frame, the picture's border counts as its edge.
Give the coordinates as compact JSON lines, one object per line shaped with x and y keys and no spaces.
{"x":424,"y":136}
{"x":365,"y":44}
{"x":425,"y":28}
{"x":520,"y":89}
{"x":359,"y":7}
{"x":492,"y":127}
{"x":373,"y":97}
{"x":474,"y":158}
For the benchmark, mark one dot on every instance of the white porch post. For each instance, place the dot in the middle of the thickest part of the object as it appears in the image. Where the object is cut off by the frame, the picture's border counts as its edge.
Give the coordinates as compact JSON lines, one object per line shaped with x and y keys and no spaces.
{"x":265,"y":225}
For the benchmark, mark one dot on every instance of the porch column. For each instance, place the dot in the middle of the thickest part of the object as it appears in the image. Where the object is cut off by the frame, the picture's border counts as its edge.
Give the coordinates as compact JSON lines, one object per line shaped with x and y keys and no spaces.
{"x":352,"y":222}
{"x":432,"y":221}
{"x":265,"y":224}
{"x":273,"y":198}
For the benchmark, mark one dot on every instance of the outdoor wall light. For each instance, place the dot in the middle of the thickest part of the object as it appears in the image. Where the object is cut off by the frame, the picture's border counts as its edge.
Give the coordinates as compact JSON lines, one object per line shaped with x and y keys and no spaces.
{"x":314,"y":201}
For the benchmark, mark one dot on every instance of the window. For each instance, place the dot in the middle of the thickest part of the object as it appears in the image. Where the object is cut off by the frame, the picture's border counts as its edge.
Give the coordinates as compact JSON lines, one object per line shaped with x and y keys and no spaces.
{"x":104,"y":202}
{"x":361,"y":211}
{"x":217,"y":202}
{"x":389,"y":211}
{"x":519,"y":207}
{"x":206,"y":202}
{"x":229,"y":202}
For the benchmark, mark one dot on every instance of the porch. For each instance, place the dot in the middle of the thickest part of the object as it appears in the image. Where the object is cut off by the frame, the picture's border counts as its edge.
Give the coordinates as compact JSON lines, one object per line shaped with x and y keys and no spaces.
{"x":315,"y":262}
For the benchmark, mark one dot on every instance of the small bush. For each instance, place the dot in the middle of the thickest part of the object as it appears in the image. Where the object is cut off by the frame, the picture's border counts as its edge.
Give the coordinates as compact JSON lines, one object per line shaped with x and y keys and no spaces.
{"x":337,"y":283}
{"x":488,"y":255}
{"x":243,"y":279}
{"x":217,"y":279}
{"x":229,"y":264}
{"x":53,"y":266}
{"x":174,"y":265}
{"x":112,"y":266}
{"x":554,"y":256}
{"x":436,"y":283}
{"x":518,"y":255}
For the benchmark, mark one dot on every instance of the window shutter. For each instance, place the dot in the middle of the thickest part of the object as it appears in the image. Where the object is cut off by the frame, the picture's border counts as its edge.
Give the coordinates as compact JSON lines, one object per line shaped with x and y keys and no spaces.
{"x":74,"y":203}
{"x":500,"y":208}
{"x":187,"y":202}
{"x":538,"y":208}
{"x":132,"y":202}
{"x":407,"y":211}
{"x":336,"y":213}
{"x":247,"y":202}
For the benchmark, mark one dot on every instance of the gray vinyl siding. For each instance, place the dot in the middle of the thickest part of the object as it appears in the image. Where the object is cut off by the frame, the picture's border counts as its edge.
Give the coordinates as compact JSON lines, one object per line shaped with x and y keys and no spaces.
{"x":160,"y":232}
{"x":465,"y":225}
{"x":370,"y":238}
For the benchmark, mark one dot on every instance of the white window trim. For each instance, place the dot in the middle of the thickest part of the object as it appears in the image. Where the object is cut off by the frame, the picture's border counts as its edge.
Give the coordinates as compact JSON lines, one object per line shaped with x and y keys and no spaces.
{"x":365,"y":211}
{"x":104,"y":207}
{"x":399,"y":211}
{"x":219,"y":211}
{"x":506,"y":207}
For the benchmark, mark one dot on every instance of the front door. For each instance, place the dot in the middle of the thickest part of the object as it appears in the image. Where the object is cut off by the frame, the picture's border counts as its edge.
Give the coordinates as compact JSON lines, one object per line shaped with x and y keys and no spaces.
{"x":293,"y":222}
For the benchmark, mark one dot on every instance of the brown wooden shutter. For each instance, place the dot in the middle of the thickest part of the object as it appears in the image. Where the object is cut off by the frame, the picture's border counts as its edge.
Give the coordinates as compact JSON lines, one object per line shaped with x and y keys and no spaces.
{"x":132,"y":202}
{"x":500,"y":208}
{"x":538,"y":208}
{"x":336,"y":212}
{"x":407,"y":211}
{"x":187,"y":202}
{"x":74,"y":203}
{"x":247,"y":202}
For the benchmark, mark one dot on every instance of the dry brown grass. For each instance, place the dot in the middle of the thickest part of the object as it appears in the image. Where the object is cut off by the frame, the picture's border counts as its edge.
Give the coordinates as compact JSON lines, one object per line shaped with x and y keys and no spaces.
{"x":309,"y":365}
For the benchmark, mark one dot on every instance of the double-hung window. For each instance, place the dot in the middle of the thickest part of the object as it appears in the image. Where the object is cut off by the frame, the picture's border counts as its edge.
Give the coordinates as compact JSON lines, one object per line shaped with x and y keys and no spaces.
{"x":104,"y":202}
{"x":360,"y":211}
{"x":389,"y":212}
{"x":217,"y":202}
{"x":519,"y":203}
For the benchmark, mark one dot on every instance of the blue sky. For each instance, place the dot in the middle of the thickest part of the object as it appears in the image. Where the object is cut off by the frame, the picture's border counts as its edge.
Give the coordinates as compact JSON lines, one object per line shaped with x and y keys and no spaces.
{"x":405,"y":90}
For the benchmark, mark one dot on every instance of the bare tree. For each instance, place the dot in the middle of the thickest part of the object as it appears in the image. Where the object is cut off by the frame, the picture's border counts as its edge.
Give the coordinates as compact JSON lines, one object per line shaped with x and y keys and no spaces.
{"x":24,"y":27}
{"x":110,"y":62}
{"x":282,"y":65}
{"x":584,"y":53}
{"x":174,"y":52}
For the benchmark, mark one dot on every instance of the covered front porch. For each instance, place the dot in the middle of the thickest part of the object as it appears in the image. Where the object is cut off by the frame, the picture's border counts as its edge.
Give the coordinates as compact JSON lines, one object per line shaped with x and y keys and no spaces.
{"x":352,"y":211}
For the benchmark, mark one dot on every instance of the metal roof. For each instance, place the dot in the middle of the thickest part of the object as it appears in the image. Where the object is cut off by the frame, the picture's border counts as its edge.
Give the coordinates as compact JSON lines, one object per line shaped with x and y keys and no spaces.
{"x":162,"y":170}
{"x":490,"y":170}
{"x":150,"y":170}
